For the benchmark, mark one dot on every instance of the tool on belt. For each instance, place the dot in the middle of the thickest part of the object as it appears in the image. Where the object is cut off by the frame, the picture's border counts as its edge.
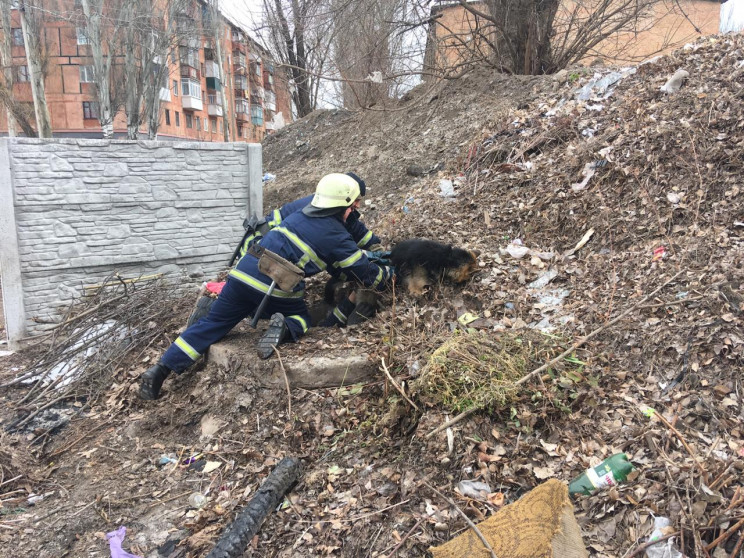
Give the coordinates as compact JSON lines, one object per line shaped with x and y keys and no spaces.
{"x":282,"y":272}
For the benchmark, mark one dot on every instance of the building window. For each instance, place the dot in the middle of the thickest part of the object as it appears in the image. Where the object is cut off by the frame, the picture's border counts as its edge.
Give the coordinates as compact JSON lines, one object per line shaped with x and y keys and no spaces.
{"x":167,"y":117}
{"x":240,"y":130}
{"x":90,"y":110}
{"x":191,"y":88}
{"x":21,"y":74}
{"x":82,"y":36}
{"x":175,"y":88}
{"x":198,"y":123}
{"x":214,"y":125}
{"x":189,"y":120}
{"x":257,"y":115}
{"x":86,"y":74}
{"x":178,"y":118}
{"x":17,"y":36}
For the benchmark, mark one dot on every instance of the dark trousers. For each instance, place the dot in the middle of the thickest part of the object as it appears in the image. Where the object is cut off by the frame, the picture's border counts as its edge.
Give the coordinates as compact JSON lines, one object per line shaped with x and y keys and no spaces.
{"x":236,"y":302}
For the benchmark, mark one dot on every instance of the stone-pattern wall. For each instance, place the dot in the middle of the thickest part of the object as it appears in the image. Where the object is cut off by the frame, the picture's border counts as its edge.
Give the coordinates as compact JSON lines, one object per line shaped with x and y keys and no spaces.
{"x":84,"y":209}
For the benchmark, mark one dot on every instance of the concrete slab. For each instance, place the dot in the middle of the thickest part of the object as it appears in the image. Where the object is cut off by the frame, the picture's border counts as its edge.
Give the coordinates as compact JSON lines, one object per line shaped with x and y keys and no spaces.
{"x":333,"y":368}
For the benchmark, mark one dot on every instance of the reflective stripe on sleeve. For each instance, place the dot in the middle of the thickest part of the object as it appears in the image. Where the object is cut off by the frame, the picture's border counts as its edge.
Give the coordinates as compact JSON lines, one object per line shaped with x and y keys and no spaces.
{"x":351,"y":260}
{"x":188,"y":349}
{"x":263,"y":287}
{"x":308,"y":254}
{"x":276,"y":219}
{"x":299,"y":320}
{"x":378,"y":279}
{"x":365,"y":239}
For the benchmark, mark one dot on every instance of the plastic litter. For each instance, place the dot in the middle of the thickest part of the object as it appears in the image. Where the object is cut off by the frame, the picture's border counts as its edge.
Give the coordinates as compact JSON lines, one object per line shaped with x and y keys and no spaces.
{"x":447,"y":188}
{"x":115,"y":538}
{"x":517,"y":250}
{"x":601,"y":86}
{"x":474,"y":489}
{"x":268,"y":177}
{"x":663,"y":549}
{"x":675,"y":82}
{"x":197,"y":500}
{"x":544,"y":279}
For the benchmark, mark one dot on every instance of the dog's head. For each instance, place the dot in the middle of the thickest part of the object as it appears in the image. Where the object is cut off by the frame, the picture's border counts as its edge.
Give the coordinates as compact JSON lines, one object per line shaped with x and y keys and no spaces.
{"x":466,"y":265}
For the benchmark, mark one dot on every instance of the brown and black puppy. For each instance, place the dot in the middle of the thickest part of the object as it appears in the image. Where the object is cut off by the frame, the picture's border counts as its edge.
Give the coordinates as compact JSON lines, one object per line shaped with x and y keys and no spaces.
{"x":420,"y":263}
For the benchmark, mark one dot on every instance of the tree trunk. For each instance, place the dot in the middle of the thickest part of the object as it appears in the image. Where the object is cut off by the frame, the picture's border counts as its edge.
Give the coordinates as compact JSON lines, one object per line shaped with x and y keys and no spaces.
{"x":6,"y":59}
{"x":101,"y":64}
{"x":218,"y":33}
{"x":31,"y":40}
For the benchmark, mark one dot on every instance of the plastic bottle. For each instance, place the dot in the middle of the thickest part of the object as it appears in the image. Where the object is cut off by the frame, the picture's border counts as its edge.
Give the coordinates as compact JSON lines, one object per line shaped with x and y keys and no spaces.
{"x":610,"y":472}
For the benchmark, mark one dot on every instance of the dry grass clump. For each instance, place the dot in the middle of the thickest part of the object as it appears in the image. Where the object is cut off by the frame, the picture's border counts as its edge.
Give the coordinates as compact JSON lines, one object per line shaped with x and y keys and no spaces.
{"x":479,"y":370}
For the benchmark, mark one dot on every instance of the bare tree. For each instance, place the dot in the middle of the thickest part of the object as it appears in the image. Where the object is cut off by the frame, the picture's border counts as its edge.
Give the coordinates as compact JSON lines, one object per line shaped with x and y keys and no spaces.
{"x":6,"y":59}
{"x":102,"y":29}
{"x":363,"y":49}
{"x":535,"y":36}
{"x":31,"y":26}
{"x":299,"y":32}
{"x":150,"y":34}
{"x":215,"y":28}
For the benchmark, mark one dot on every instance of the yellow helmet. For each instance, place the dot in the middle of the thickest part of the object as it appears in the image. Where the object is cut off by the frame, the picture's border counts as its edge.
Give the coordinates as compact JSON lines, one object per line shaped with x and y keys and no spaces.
{"x":335,"y":190}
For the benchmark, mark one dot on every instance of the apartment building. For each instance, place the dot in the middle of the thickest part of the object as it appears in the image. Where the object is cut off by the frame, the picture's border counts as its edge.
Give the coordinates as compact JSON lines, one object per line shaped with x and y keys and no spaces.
{"x":256,"y":92}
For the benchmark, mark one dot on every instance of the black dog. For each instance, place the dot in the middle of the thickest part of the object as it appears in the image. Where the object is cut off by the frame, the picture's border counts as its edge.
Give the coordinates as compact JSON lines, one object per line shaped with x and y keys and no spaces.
{"x":420,"y":263}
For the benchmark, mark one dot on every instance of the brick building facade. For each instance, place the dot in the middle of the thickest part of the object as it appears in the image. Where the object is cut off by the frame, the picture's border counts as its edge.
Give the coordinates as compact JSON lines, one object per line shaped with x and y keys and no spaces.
{"x":191,"y":104}
{"x":458,"y":37}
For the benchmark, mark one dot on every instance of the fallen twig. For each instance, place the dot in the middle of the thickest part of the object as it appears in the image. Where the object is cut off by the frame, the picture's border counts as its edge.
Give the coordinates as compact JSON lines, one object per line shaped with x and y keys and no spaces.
{"x":397,"y":387}
{"x":725,"y":535}
{"x":472,"y":525}
{"x":641,"y":549}
{"x":286,"y":383}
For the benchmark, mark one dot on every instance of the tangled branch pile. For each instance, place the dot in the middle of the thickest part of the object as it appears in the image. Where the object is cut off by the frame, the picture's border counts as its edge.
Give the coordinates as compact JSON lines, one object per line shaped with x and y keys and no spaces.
{"x":477,"y":370}
{"x":101,"y":335}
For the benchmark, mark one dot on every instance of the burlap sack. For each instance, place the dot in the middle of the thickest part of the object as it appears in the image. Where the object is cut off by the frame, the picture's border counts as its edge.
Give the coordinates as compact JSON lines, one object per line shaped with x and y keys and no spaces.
{"x":539,"y":525}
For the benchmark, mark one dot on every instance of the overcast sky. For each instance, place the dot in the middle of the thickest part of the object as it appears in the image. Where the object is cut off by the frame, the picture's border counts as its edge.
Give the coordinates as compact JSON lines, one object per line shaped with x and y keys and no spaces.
{"x":245,"y":12}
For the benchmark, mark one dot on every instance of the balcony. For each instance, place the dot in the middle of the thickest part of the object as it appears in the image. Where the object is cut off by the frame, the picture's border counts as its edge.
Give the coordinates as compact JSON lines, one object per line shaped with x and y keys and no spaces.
{"x":214,"y":84}
{"x":239,"y":63}
{"x":242,"y":110}
{"x":189,"y":72}
{"x":238,"y":47}
{"x":241,"y":94}
{"x":165,"y":94}
{"x":214,"y":105}
{"x":212,"y":69}
{"x":191,"y":103}
{"x":191,"y":95}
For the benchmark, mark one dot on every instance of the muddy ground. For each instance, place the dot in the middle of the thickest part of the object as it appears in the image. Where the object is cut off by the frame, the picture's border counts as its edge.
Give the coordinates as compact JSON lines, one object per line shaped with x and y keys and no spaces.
{"x":624,"y":206}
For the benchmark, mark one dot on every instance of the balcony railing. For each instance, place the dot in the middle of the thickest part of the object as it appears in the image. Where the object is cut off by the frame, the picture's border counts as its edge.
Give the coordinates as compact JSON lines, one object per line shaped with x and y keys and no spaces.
{"x":241,"y":94}
{"x":189,"y":72}
{"x":215,"y":110}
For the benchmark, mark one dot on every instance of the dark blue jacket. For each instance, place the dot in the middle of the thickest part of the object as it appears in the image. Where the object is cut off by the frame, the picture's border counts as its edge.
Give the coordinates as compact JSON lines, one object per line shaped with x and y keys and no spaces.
{"x":314,"y":244}
{"x":361,"y":235}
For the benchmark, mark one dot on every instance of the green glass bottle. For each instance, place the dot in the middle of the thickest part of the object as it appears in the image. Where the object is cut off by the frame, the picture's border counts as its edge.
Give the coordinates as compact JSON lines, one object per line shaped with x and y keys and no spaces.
{"x":610,"y":472}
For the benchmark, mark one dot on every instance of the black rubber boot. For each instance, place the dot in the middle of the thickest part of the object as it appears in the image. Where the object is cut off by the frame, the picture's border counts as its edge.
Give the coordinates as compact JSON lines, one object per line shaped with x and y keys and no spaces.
{"x":152,"y":381}
{"x":274,"y":335}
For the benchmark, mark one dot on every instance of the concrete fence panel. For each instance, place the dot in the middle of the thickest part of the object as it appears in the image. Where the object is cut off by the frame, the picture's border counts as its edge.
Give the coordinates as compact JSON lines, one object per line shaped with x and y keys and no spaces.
{"x":74,"y":211}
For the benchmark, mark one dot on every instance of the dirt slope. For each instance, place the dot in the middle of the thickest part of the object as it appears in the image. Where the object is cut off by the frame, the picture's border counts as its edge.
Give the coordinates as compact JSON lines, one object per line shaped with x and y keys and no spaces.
{"x":661,"y":214}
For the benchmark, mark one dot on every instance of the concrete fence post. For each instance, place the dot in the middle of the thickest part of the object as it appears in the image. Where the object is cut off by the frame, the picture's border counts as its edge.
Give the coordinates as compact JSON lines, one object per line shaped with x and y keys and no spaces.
{"x":255,"y":180}
{"x":10,"y":259}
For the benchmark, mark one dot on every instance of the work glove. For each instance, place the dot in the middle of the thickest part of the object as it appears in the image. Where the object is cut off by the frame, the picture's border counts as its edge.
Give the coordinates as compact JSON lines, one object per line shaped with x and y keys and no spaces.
{"x":380,"y":257}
